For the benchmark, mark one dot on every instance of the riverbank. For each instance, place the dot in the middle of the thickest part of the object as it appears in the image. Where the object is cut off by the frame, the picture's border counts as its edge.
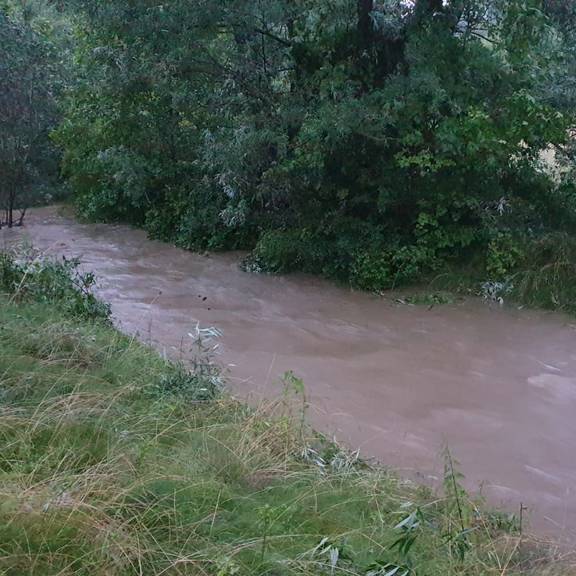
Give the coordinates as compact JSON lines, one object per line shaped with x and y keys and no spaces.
{"x":116,"y":461}
{"x":397,"y":382}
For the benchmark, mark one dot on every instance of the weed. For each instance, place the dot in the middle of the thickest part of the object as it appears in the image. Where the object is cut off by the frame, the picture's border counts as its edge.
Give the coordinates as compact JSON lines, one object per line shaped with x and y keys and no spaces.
{"x":58,"y":282}
{"x":201,"y":383}
{"x":547,"y":278}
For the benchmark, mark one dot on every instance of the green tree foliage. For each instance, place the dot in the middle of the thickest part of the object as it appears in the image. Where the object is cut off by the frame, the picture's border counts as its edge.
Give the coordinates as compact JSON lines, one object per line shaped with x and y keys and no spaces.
{"x":562,"y":78}
{"x":28,"y":82}
{"x":372,"y":141}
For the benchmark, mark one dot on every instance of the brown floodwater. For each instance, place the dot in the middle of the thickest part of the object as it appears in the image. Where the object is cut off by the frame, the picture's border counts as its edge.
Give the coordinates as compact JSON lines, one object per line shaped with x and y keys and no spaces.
{"x":497,"y":385}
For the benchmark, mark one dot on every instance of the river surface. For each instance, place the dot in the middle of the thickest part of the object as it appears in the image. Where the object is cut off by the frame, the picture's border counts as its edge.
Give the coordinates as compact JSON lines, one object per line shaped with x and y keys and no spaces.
{"x":497,"y":385}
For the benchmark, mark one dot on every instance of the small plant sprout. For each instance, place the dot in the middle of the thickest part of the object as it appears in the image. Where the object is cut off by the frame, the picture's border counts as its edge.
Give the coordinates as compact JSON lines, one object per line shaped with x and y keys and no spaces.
{"x":199,"y":381}
{"x":458,"y":528}
{"x":294,"y":388}
{"x":329,"y":553}
{"x":266,"y":516}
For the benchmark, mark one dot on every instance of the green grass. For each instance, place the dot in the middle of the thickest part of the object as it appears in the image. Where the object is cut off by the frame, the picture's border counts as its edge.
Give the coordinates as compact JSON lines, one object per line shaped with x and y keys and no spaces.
{"x":111,"y":465}
{"x":542,"y":277}
{"x":548,"y":277}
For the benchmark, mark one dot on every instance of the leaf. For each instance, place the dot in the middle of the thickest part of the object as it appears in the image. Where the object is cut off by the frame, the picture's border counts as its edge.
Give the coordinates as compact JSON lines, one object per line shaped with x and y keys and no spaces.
{"x":410,"y":521}
{"x":334,"y":557}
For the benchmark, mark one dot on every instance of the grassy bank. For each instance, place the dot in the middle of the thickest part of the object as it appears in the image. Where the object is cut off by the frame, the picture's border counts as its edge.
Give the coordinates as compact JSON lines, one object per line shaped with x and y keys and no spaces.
{"x":541,"y":275}
{"x":116,"y":462}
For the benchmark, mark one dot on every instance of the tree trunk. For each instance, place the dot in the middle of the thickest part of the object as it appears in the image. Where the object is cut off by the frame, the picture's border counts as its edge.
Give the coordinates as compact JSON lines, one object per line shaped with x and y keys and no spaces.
{"x":21,"y":219}
{"x":365,"y":27}
{"x":10,"y":209}
{"x":379,"y":55}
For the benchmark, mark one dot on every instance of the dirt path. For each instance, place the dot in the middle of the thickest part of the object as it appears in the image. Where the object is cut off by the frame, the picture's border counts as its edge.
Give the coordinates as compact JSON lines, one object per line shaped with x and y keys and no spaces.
{"x":498,"y":386}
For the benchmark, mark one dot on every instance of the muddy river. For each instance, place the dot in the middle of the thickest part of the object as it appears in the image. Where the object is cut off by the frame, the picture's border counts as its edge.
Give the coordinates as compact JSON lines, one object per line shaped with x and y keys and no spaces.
{"x":497,"y":385}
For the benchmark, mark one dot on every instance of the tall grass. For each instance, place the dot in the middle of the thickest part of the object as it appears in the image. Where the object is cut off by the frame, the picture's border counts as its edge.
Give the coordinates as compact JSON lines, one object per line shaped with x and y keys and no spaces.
{"x":547,"y":278}
{"x":116,"y":462}
{"x":543,"y":275}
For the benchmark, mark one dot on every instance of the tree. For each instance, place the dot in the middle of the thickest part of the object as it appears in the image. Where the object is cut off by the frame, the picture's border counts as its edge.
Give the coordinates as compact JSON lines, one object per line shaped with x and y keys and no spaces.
{"x":27,"y":113}
{"x":369,"y":140}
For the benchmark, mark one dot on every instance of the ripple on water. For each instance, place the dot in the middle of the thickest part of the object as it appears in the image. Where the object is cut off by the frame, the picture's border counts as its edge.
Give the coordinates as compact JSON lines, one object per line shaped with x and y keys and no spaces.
{"x":560,"y":388}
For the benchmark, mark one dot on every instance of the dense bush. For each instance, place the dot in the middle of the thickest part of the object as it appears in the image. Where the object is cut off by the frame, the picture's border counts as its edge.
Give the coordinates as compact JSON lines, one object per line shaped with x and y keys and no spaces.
{"x":373,"y":142}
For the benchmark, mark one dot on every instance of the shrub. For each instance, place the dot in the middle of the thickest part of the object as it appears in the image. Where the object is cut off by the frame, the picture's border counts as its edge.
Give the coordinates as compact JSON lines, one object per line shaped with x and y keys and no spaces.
{"x":505,"y":253}
{"x":198,"y":219}
{"x":180,"y":383}
{"x":58,"y":282}
{"x":373,"y":270}
{"x":279,"y":251}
